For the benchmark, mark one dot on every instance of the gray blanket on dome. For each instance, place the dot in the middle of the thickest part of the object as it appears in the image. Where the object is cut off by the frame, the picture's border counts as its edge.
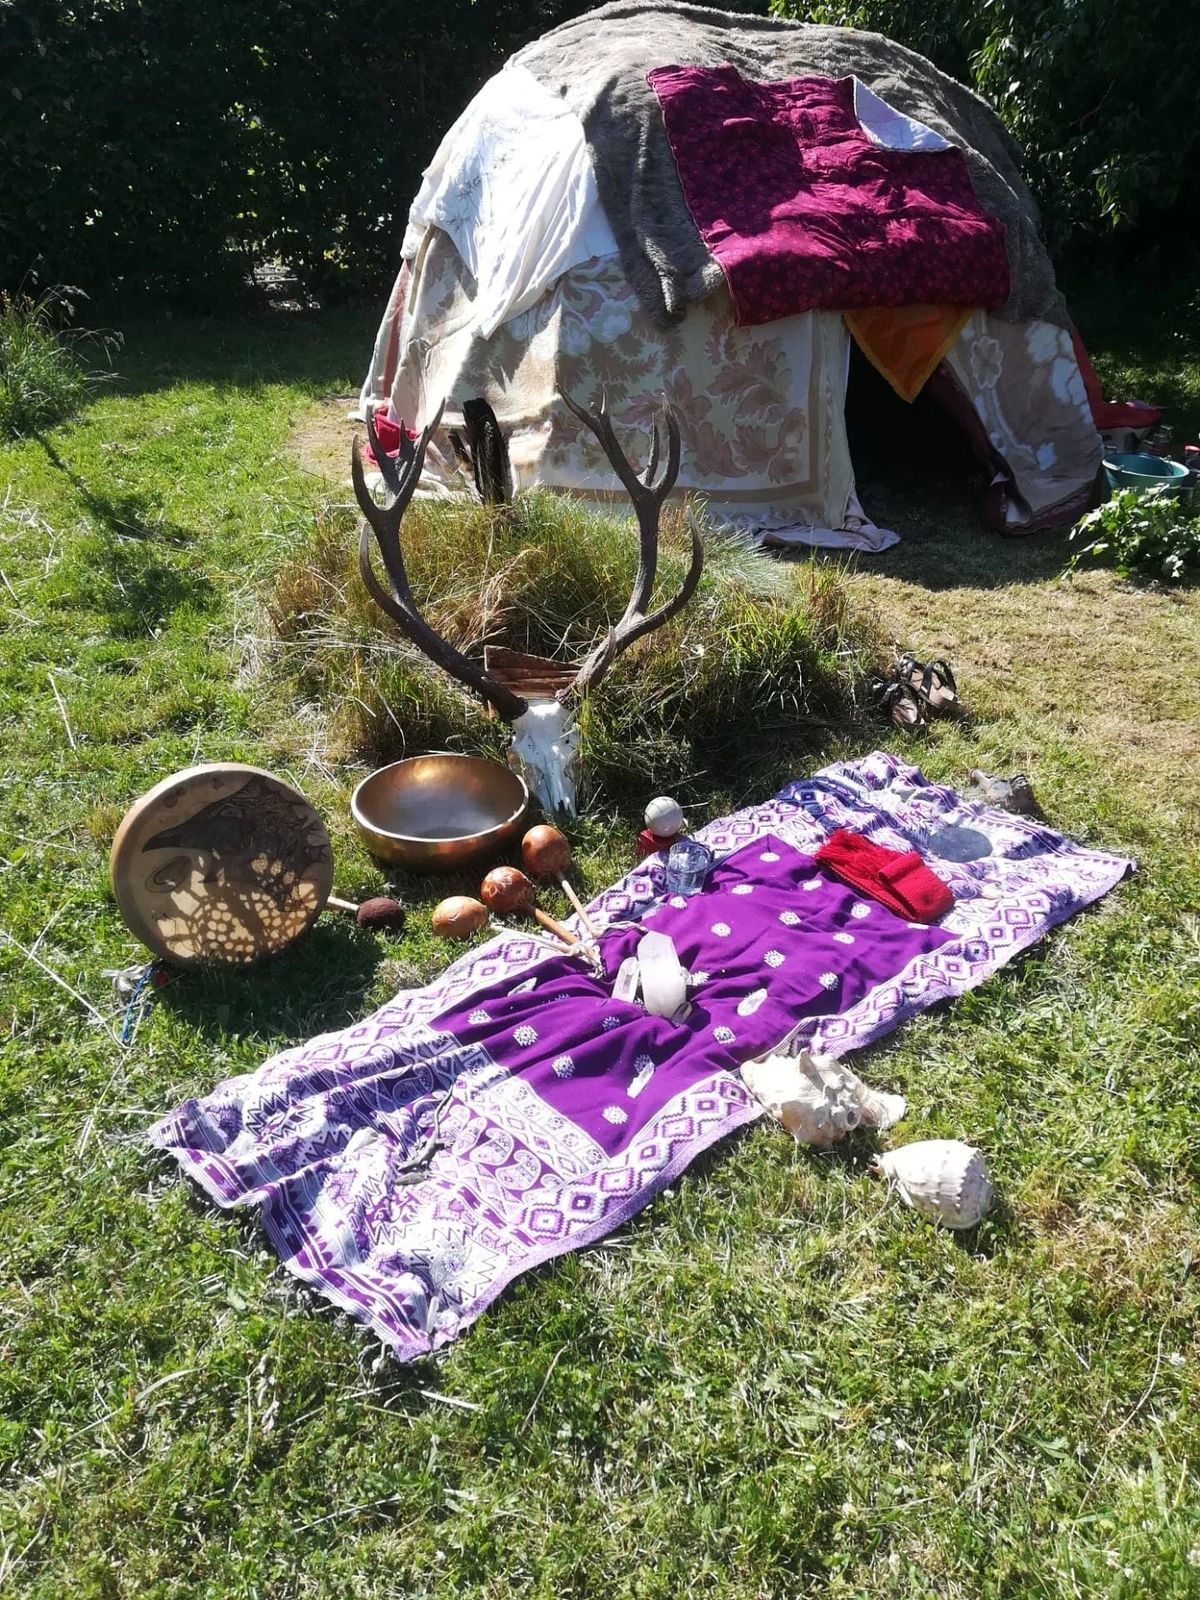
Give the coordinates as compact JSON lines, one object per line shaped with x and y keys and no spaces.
{"x":598,"y":64}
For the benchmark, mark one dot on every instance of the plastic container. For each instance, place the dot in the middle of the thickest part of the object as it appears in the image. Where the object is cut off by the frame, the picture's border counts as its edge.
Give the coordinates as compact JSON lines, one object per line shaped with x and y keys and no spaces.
{"x":1142,"y":471}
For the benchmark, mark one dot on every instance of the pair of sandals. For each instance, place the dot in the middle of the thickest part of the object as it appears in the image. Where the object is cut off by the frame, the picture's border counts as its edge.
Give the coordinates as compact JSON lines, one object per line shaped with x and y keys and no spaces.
{"x":913,"y":691}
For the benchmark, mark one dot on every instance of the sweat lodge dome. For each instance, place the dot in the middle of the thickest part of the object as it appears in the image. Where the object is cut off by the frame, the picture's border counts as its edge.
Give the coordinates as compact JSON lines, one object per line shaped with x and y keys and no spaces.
{"x":720,"y":236}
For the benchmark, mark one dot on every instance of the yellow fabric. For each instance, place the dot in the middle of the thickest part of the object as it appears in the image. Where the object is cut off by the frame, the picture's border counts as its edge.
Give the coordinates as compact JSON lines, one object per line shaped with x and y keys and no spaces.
{"x":906,"y":343}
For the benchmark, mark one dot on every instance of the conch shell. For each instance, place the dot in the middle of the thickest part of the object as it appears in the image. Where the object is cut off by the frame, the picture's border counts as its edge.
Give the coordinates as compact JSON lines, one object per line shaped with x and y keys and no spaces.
{"x":817,"y":1099}
{"x":943,"y":1179}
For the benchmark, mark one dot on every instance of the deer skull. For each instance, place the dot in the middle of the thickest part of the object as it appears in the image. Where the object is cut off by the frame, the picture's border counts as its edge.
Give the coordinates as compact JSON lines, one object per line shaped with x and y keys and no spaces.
{"x":544,"y":749}
{"x":545,"y":739}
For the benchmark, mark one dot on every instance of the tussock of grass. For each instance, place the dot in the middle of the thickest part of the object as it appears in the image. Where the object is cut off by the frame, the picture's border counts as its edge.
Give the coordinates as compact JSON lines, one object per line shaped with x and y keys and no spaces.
{"x":43,"y":377}
{"x":762,"y":653}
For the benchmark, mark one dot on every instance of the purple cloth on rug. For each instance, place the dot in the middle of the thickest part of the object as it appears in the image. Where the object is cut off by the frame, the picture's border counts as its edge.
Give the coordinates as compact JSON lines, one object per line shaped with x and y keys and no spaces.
{"x":804,"y":212}
{"x":560,"y":1111}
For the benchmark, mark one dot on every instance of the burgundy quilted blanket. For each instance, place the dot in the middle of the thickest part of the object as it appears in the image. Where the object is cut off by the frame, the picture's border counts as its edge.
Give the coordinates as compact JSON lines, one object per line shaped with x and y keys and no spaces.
{"x":803,"y":211}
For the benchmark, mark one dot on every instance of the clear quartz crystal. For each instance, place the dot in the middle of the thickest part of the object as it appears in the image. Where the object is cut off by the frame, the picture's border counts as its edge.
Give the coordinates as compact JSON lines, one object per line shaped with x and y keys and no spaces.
{"x":664,"y":982}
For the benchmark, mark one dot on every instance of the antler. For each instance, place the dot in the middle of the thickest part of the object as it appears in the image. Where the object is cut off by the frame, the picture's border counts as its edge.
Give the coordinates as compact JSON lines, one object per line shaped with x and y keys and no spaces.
{"x":400,"y":477}
{"x":647,"y":497}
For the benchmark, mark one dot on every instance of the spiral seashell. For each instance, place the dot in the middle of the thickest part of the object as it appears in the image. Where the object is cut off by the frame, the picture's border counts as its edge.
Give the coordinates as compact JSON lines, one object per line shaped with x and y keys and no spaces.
{"x":944,"y":1179}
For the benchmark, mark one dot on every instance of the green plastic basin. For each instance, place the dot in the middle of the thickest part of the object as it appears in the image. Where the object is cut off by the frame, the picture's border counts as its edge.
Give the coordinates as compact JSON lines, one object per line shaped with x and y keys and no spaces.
{"x":1141,"y":472}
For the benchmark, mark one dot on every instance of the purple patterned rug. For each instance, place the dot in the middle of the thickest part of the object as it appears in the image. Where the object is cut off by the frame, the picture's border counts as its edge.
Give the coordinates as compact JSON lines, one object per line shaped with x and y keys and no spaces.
{"x":559,"y":1112}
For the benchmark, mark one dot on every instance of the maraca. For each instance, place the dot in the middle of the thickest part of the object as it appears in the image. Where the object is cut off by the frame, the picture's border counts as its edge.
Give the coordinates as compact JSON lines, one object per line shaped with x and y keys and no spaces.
{"x":547,"y":854}
{"x":458,"y":917}
{"x":505,"y":890}
{"x":378,"y":912}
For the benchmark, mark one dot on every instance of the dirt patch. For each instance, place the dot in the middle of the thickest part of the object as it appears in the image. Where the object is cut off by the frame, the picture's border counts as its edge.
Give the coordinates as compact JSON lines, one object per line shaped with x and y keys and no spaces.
{"x":1104,"y":673}
{"x":321,"y":444}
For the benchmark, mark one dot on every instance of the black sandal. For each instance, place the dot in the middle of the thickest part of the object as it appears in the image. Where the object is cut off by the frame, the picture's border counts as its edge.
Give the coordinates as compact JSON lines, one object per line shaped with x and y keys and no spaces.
{"x":898,"y":701}
{"x":933,"y":682}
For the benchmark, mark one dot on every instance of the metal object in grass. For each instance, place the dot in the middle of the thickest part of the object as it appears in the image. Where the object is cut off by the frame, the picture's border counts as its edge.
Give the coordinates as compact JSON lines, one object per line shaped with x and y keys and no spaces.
{"x":435,"y":813}
{"x":533,"y":694}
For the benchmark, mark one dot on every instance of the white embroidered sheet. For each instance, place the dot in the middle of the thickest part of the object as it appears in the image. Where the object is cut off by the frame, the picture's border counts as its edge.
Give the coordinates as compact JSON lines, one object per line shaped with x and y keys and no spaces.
{"x":512,"y":286}
{"x":1024,"y":383}
{"x":889,"y":128}
{"x":512,"y":185}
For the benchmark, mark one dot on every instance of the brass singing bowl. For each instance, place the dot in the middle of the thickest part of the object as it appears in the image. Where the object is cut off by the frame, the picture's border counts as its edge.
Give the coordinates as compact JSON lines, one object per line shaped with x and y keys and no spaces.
{"x":438,"y":812}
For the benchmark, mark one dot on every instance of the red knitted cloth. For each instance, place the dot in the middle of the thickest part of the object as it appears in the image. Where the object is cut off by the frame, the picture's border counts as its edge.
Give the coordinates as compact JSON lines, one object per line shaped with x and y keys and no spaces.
{"x":900,"y":881}
{"x":388,"y":434}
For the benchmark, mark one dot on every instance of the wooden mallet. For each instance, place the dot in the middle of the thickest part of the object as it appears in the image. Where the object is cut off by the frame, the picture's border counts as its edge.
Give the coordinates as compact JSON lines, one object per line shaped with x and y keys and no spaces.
{"x":547,"y":854}
{"x":378,"y":912}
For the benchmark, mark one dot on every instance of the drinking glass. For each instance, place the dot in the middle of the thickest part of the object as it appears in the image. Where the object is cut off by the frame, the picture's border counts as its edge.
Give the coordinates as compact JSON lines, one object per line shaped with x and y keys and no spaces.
{"x":687,"y":866}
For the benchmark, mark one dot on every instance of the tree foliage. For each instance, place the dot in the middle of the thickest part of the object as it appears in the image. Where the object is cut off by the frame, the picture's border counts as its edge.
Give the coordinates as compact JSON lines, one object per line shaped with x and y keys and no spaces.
{"x":1100,"y":95}
{"x":166,"y":148}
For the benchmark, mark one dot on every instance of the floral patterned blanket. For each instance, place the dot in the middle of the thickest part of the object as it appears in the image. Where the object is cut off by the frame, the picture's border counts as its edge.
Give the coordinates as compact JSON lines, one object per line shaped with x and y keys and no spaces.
{"x":412,"y":1165}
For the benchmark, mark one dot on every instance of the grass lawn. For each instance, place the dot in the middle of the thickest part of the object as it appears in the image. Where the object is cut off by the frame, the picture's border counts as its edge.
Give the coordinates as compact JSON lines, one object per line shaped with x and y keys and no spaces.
{"x":775,"y":1382}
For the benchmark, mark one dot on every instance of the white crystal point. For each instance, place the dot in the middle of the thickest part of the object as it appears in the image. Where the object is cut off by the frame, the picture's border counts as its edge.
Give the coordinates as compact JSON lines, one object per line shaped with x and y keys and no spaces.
{"x":663,"y":979}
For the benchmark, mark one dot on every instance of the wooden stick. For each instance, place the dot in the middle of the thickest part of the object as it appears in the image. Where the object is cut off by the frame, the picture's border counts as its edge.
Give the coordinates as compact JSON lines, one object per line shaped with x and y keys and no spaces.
{"x":556,"y":928}
{"x":547,"y":944}
{"x":31,"y":955}
{"x":62,"y":711}
{"x":580,"y":912}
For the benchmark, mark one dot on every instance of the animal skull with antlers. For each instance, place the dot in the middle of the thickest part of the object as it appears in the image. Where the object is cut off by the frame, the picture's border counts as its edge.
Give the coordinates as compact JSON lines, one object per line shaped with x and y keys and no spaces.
{"x":545,"y":743}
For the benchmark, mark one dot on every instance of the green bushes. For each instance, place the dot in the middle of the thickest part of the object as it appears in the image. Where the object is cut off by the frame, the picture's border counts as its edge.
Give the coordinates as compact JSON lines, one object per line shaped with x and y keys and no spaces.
{"x":1151,"y":534}
{"x":167,"y":149}
{"x":1100,"y":95}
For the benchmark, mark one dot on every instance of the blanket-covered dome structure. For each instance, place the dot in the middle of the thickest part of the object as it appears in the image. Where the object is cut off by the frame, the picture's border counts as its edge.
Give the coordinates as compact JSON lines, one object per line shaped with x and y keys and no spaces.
{"x":660,"y":199}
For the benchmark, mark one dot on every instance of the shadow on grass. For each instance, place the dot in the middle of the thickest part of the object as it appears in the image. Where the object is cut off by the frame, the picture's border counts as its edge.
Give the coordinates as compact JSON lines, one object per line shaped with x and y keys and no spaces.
{"x":142,"y":590}
{"x":149,"y":592}
{"x":315,"y":985}
{"x":946,"y":545}
{"x":321,"y":351}
{"x":124,"y":516}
